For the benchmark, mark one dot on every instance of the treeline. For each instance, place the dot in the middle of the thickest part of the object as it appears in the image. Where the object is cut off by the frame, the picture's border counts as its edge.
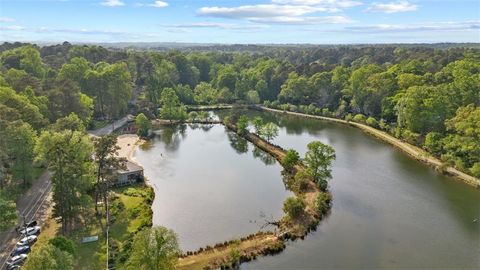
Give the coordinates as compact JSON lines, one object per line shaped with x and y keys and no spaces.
{"x":427,"y":96}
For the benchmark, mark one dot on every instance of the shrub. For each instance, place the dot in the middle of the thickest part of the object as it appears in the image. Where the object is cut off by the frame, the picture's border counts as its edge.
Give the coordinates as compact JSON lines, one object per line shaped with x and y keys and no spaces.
{"x":300,"y":181}
{"x":383,"y":124}
{"x":63,"y":244}
{"x":433,"y":143}
{"x":360,"y":118}
{"x":372,"y":122}
{"x":348,"y":117}
{"x":322,"y":203}
{"x":290,"y":159}
{"x":293,"y":207}
{"x":193,"y":115}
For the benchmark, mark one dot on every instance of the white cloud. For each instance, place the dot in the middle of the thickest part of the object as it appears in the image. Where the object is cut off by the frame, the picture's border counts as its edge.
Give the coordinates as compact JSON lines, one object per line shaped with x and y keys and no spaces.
{"x":284,"y":11}
{"x":304,"y":20}
{"x":324,"y":3}
{"x":159,"y":4}
{"x":425,"y":27}
{"x":6,"y":19}
{"x":259,"y":11}
{"x":12,"y":27}
{"x":216,"y":25}
{"x":392,"y":7}
{"x":112,"y":3}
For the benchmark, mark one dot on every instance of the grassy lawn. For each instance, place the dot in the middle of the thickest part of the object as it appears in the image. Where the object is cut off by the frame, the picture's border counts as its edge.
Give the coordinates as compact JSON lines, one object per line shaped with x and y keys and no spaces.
{"x":130,"y":211}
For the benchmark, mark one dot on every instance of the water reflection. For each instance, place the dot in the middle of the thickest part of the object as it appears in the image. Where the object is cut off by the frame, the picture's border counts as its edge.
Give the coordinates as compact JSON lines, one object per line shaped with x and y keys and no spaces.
{"x":207,"y":188}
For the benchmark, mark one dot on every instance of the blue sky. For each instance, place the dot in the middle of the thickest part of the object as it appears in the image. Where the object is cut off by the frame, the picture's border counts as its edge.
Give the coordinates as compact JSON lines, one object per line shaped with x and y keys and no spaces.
{"x":232,"y":21}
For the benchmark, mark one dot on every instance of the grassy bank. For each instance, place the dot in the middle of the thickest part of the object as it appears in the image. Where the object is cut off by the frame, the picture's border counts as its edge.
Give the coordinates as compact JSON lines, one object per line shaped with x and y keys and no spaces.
{"x":413,"y":151}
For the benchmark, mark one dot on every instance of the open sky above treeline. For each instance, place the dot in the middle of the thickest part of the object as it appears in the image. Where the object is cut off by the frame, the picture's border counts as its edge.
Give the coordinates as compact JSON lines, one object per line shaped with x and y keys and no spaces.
{"x":234,"y":21}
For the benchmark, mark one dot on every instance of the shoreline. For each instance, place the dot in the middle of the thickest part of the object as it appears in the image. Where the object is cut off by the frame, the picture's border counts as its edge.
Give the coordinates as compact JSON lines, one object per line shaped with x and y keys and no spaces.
{"x":411,"y":150}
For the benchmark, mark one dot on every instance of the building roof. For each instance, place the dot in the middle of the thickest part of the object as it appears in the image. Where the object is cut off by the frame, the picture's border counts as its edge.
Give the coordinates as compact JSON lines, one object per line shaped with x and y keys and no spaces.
{"x":131,"y":167}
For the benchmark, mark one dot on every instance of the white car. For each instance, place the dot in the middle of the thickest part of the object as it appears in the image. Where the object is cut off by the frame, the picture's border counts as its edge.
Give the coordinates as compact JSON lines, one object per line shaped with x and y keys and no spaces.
{"x":17,"y":260}
{"x":28,"y":240}
{"x":35,"y":230}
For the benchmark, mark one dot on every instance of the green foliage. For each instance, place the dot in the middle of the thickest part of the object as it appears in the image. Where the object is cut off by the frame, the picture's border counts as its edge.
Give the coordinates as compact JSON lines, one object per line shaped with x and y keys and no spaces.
{"x":63,"y":244}
{"x":242,"y":124}
{"x":294,"y":207}
{"x":360,"y":118}
{"x":290,"y":159}
{"x":257,"y":123}
{"x":319,"y":158}
{"x":253,"y":97}
{"x":154,"y":248}
{"x":322,"y":203}
{"x":68,"y":156}
{"x":300,"y":181}
{"x":269,"y":131}
{"x":49,"y":257}
{"x":8,"y":214}
{"x":372,"y":122}
{"x":463,"y":146}
{"x":18,"y":140}
{"x":193,"y":115}
{"x":171,"y":108}
{"x":205,"y":94}
{"x":70,"y":122}
{"x":143,"y":124}
{"x":18,"y":107}
{"x":433,"y":142}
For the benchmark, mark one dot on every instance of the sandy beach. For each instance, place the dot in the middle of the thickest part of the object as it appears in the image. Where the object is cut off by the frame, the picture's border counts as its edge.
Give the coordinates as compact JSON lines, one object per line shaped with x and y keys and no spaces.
{"x":128,"y":143}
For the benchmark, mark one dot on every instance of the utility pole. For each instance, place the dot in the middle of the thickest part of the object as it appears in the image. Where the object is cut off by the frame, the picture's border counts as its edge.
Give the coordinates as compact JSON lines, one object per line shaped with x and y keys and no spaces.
{"x":108,"y":227}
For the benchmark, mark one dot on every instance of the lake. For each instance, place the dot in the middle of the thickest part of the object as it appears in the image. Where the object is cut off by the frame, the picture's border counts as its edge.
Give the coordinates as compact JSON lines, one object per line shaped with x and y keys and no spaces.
{"x":210,"y":185}
{"x":389,"y":210}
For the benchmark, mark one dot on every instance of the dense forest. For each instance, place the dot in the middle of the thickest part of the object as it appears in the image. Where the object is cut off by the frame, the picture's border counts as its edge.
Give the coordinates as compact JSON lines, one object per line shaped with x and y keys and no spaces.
{"x":427,"y":96}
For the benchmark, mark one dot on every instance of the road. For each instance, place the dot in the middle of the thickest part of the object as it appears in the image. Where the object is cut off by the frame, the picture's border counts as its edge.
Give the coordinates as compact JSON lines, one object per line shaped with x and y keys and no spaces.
{"x":33,"y":205}
{"x":111,"y":127}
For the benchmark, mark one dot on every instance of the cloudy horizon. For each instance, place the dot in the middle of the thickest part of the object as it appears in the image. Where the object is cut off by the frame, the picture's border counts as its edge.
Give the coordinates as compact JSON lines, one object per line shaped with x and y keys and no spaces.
{"x":241,"y":22}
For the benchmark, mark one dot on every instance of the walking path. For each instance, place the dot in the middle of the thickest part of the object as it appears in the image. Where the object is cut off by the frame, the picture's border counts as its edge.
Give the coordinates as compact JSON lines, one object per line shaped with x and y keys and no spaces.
{"x":411,"y":150}
{"x":110,"y":127}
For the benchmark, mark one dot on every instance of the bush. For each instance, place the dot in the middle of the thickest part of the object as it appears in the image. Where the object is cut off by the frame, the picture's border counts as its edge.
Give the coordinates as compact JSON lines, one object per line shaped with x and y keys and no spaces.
{"x":372,"y":122}
{"x":293,"y":207}
{"x":322,"y":203}
{"x":193,"y":115}
{"x":433,"y":143}
{"x":63,"y":244}
{"x":383,"y":124}
{"x":360,"y":118}
{"x":290,"y":159}
{"x":300,"y":181}
{"x":348,"y":117}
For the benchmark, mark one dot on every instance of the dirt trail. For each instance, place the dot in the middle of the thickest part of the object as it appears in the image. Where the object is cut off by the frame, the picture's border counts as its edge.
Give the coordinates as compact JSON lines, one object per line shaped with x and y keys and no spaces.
{"x":411,"y":150}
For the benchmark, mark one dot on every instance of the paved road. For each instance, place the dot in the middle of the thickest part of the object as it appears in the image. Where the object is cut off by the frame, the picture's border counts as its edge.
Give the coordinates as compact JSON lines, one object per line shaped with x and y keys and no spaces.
{"x":111,"y":127}
{"x":33,"y":205}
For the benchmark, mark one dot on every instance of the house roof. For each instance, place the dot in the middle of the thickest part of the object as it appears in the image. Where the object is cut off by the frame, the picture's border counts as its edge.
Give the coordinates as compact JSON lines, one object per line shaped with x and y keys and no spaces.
{"x":131,"y":167}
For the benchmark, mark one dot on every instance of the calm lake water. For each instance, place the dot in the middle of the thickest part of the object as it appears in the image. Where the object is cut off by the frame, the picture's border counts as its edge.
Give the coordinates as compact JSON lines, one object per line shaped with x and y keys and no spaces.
{"x":210,"y":185}
{"x":389,"y":211}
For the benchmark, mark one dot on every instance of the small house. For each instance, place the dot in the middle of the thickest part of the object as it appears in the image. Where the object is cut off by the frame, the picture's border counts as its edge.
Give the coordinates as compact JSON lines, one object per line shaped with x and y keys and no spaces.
{"x":133,"y":173}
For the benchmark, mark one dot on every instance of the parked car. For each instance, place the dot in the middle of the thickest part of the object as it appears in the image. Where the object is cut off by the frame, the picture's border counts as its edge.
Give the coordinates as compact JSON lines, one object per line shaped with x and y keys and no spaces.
{"x":20,"y":250}
{"x":31,"y":223}
{"x":14,"y":267}
{"x":31,"y":231}
{"x":15,"y":261}
{"x":27,"y":241}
